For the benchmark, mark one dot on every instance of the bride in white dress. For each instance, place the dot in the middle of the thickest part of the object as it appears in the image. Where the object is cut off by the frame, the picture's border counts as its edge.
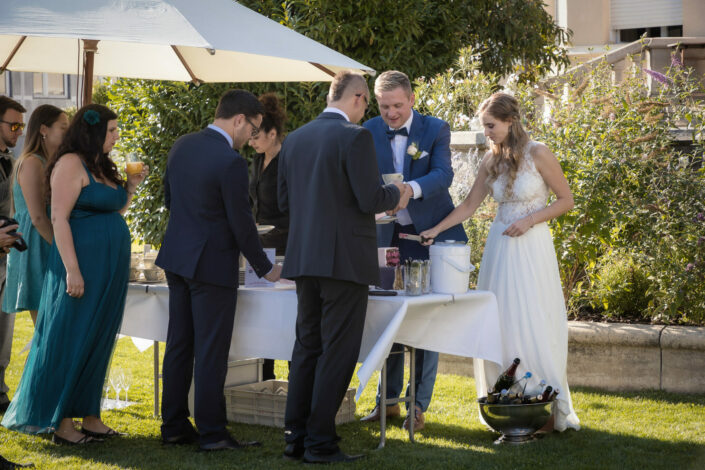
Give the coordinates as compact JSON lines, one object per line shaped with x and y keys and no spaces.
{"x":519,"y":261}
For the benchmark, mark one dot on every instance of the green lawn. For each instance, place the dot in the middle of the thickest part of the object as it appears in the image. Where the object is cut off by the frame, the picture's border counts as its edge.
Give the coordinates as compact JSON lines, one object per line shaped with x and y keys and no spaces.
{"x":626,"y":430}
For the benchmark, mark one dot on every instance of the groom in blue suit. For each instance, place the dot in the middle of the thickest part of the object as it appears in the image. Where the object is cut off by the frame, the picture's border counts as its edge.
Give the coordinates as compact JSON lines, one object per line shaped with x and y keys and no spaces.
{"x":418,"y":147}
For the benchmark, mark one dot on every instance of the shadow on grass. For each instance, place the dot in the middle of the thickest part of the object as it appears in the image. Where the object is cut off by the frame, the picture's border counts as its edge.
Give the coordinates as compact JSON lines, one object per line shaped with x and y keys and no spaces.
{"x":438,"y":446}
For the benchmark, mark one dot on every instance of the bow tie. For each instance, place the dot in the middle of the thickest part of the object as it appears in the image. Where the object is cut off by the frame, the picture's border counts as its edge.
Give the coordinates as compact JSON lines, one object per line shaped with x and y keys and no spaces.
{"x":393,"y":132}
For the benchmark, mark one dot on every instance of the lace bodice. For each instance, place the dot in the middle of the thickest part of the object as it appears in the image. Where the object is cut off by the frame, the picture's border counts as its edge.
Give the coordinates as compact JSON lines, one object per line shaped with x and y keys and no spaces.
{"x":529,"y":193}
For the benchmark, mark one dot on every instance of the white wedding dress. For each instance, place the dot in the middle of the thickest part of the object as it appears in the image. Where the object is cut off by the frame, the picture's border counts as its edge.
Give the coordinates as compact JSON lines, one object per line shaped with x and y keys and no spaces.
{"x":523,"y":273}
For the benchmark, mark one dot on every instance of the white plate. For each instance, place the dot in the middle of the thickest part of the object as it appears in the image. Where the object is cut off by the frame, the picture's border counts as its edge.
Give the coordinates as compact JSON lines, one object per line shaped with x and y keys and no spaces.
{"x":262,"y":229}
{"x":386,"y":219}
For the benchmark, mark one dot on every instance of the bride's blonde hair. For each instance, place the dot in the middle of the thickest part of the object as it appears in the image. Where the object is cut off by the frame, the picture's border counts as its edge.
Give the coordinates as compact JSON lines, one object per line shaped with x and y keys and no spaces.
{"x":506,"y":156}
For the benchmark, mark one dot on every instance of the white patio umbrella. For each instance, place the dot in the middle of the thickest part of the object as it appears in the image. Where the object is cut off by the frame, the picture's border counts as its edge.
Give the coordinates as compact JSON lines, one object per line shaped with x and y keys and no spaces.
{"x":187,"y":40}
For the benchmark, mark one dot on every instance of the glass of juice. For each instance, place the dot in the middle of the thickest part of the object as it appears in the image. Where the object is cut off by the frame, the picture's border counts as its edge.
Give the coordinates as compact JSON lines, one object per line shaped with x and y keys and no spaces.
{"x":133,"y":164}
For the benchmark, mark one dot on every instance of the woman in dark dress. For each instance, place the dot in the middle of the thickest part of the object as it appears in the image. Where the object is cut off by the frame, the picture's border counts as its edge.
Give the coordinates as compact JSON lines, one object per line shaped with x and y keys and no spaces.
{"x":84,"y":289}
{"x":263,"y":185}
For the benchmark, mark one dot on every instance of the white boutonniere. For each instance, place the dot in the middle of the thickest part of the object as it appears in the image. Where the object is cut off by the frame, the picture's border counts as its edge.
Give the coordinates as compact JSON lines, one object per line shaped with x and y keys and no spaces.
{"x":413,"y":150}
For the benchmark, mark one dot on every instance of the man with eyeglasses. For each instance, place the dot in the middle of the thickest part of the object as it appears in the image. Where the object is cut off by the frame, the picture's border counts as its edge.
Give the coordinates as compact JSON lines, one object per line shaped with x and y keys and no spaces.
{"x":11,"y":126}
{"x":418,"y":147}
{"x":210,"y":224}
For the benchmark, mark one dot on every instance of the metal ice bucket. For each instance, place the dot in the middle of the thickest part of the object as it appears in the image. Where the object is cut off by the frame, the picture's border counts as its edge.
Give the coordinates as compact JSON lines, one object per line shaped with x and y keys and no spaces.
{"x":516,"y":423}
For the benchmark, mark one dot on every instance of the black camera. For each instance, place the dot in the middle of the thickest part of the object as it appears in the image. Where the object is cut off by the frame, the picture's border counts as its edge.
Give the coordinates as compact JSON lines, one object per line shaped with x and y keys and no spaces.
{"x":19,"y":244}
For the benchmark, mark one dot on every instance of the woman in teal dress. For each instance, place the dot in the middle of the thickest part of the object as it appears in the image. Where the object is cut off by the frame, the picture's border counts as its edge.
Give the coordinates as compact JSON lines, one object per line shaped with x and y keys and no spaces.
{"x":85,"y":285}
{"x":25,"y":269}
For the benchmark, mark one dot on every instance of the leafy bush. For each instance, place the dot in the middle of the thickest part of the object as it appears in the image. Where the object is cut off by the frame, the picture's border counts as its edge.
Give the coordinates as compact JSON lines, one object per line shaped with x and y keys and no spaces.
{"x":620,"y":287}
{"x":455,"y":95}
{"x":634,"y":190}
{"x":420,"y":38}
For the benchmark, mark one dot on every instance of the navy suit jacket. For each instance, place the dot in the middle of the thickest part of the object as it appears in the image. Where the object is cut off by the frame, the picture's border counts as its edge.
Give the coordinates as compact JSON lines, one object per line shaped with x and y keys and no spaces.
{"x":433,"y":173}
{"x":330,"y":185}
{"x":210,"y":220}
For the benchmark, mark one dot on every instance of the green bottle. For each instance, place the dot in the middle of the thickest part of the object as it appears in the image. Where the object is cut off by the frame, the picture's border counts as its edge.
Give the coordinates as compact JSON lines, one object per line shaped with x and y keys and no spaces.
{"x":506,"y":379}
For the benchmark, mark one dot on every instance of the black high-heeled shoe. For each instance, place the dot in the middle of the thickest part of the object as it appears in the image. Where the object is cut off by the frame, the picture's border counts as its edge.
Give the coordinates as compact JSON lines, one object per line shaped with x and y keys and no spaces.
{"x":101,"y":435}
{"x":65,"y":442}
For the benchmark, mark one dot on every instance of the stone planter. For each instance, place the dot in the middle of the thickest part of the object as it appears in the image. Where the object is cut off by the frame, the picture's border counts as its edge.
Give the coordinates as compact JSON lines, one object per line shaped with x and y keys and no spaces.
{"x":620,"y":357}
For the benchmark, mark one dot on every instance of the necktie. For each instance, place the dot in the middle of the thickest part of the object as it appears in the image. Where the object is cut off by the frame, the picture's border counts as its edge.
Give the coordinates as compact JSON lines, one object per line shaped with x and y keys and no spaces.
{"x":401,"y":131}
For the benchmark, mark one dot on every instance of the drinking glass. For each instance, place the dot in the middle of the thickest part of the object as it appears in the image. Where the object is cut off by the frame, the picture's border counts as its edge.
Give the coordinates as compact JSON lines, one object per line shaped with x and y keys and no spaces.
{"x":426,"y":268}
{"x":133,"y":163}
{"x":126,"y":383}
{"x":112,"y":379}
{"x":107,"y":386}
{"x":413,"y":277}
{"x":117,"y":384}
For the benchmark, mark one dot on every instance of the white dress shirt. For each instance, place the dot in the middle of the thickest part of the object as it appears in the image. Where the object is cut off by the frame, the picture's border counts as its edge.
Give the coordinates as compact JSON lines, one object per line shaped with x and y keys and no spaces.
{"x":331,"y":109}
{"x":399,"y":146}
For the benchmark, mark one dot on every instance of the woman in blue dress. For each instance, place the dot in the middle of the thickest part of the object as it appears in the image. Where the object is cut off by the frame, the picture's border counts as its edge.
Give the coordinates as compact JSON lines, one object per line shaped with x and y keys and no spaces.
{"x":84,"y":288}
{"x":25,"y":269}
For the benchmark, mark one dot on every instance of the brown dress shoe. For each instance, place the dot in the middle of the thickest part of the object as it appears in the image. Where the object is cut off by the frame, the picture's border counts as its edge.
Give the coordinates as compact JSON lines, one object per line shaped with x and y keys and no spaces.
{"x":419,"y":420}
{"x":392,"y":412}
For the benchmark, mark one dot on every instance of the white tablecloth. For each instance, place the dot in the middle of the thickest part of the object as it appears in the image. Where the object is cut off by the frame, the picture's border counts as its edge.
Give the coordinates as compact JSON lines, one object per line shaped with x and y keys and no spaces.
{"x":464,"y":325}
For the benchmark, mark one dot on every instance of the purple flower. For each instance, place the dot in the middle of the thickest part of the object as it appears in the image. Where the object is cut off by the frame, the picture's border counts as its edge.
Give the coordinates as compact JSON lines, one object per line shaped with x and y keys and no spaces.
{"x":676,"y":60}
{"x":658,"y":76}
{"x":700,"y":216}
{"x":689,"y":267}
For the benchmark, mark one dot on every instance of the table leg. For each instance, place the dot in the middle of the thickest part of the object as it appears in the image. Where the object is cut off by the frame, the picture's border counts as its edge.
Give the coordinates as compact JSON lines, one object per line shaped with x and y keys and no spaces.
{"x":156,"y":379}
{"x":412,"y":391}
{"x":383,"y":406}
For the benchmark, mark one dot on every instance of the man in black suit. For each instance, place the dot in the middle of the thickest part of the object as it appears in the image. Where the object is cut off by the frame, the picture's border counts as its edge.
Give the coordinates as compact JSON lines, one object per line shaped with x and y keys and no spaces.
{"x":210,"y":223}
{"x":329,"y":184}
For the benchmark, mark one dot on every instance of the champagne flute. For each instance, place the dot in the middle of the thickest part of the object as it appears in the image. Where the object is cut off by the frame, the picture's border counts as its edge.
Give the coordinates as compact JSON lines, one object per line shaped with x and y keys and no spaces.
{"x":126,"y":383}
{"x":112,"y":378}
{"x":106,"y":385}
{"x":117,"y":384}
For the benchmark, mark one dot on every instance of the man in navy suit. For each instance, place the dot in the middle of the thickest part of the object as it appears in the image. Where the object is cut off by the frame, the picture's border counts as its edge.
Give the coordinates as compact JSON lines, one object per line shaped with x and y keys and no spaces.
{"x":330,"y":185}
{"x":210,"y":224}
{"x":418,"y":147}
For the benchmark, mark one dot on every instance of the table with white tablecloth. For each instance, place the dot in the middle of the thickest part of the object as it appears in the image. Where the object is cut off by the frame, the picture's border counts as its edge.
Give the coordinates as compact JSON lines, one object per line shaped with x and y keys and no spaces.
{"x":462,"y":324}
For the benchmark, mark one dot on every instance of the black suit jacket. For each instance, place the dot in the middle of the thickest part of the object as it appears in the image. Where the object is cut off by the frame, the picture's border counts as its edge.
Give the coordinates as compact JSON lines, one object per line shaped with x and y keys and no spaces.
{"x":210,"y":220}
{"x":329,"y":184}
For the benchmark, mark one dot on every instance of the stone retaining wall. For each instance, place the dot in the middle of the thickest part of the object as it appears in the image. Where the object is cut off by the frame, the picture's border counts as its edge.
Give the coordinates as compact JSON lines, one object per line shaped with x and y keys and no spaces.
{"x":622,"y":357}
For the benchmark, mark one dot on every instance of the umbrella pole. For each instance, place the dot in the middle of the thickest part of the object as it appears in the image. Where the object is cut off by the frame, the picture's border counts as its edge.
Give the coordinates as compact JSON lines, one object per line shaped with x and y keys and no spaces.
{"x":12,"y":54}
{"x":90,"y":46}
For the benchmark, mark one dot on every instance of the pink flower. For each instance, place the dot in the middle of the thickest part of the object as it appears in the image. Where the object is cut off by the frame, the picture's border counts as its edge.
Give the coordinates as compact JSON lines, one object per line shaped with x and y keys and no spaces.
{"x":689,"y":267}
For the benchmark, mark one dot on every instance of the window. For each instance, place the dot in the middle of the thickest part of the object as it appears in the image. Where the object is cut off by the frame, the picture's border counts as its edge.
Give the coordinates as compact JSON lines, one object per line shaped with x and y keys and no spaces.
{"x":50,"y":85}
{"x":634,"y":34}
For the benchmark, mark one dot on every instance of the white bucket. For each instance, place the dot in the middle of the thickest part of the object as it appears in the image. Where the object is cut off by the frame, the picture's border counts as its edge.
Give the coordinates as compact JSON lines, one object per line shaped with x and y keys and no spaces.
{"x":450,"y":267}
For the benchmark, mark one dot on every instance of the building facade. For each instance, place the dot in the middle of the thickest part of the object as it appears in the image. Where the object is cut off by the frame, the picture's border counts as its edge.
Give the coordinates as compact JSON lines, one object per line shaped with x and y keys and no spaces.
{"x":600,"y":23}
{"x":34,"y":89}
